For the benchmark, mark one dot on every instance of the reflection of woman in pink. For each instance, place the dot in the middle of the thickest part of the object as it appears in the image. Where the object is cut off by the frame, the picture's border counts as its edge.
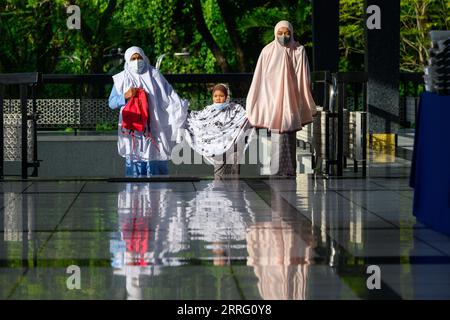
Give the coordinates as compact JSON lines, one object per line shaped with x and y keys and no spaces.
{"x":279,"y":252}
{"x":280,"y":96}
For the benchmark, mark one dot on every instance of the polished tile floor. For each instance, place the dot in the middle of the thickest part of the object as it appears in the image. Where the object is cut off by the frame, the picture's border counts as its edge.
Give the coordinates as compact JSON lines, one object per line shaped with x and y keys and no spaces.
{"x":307,"y":238}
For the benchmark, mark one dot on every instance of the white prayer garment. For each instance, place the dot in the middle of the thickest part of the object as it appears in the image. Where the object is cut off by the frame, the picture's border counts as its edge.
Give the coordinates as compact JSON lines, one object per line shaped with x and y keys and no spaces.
{"x":167,"y":112}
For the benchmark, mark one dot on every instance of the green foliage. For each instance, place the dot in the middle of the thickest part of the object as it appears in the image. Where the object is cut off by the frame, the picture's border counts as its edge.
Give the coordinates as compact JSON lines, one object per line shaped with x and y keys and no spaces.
{"x":417,"y":19}
{"x":35,"y":36}
{"x":264,"y":19}
{"x":351,"y":35}
{"x":105,"y":127}
{"x":411,"y":90}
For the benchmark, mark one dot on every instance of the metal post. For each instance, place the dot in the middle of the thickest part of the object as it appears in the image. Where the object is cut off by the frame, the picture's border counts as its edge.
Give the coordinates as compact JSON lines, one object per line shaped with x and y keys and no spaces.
{"x":364,"y":130}
{"x":325,"y":94}
{"x":75,"y":103}
{"x":328,"y":114}
{"x":24,"y":120}
{"x":403,"y":112}
{"x":364,"y":143}
{"x":327,"y":142}
{"x":159,"y":60}
{"x":355,"y":97}
{"x":340,"y":135}
{"x":2,"y":144}
{"x":355,"y":108}
{"x":25,"y":230}
{"x":34,"y":119}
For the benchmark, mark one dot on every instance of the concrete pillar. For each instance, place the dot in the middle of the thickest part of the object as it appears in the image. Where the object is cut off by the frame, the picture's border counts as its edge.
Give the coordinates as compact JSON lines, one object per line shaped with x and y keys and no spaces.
{"x":325,"y":29}
{"x":382,"y":63}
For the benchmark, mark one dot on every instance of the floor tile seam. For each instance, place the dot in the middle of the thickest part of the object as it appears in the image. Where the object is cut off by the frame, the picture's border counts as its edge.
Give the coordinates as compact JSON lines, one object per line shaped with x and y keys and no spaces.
{"x":41,"y":249}
{"x":370,"y":211}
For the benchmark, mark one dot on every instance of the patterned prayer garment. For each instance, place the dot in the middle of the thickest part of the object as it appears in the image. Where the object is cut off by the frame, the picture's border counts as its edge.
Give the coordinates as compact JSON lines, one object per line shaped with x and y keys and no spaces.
{"x":216,"y":133}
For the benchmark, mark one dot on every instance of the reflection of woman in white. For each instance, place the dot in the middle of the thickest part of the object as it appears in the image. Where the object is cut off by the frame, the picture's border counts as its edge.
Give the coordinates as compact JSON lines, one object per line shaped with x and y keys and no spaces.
{"x":152,"y":233}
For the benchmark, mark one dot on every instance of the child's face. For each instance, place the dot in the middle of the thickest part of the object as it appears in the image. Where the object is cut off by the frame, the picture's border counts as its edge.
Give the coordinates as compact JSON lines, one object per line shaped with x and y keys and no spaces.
{"x":219,"y":96}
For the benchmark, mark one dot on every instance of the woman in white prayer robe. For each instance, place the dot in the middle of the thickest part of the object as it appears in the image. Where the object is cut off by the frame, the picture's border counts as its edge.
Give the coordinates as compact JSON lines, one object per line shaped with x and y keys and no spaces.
{"x":167,"y":112}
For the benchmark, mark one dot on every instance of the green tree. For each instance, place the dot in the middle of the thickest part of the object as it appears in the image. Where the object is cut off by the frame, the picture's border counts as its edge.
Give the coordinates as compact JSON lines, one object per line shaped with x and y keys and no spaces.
{"x":29,"y":32}
{"x":418,"y":18}
{"x":351,"y":35}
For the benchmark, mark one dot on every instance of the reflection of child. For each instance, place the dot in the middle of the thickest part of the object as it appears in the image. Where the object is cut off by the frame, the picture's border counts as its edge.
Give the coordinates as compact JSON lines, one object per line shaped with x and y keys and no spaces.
{"x":219,"y":254}
{"x":217,"y":131}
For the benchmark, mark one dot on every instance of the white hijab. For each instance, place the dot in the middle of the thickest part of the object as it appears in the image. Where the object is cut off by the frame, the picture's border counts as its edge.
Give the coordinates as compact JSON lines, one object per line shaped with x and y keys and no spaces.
{"x":127,"y":78}
{"x":166,"y":109}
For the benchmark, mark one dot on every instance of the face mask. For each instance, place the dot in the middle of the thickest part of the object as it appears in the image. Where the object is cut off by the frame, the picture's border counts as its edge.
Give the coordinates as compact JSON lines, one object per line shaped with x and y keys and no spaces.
{"x":283,"y":40}
{"x":137,"y":66}
{"x":220,"y":106}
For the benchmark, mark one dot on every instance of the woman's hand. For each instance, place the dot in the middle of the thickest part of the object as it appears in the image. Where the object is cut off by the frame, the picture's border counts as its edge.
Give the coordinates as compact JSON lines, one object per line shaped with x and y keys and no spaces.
{"x":130,"y":93}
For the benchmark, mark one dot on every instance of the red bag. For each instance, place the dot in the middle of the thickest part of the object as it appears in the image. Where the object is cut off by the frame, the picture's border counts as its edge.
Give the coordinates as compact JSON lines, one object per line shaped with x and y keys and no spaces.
{"x":135,"y":116}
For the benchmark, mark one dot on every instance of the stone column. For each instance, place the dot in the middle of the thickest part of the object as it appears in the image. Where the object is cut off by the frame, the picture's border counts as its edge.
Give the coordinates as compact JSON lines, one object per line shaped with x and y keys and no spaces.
{"x":382,"y":63}
{"x":325,"y":29}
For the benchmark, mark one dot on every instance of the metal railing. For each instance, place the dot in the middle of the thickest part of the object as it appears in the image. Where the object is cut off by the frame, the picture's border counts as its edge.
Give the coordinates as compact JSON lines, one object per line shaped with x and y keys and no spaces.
{"x":194,"y":87}
{"x":339,"y":132}
{"x":411,"y":84}
{"x":25,"y":81}
{"x":350,"y":89}
{"x":353,"y":84}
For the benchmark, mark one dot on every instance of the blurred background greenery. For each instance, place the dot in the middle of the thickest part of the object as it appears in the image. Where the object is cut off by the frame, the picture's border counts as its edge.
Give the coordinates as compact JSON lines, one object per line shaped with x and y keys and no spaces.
{"x":220,"y":35}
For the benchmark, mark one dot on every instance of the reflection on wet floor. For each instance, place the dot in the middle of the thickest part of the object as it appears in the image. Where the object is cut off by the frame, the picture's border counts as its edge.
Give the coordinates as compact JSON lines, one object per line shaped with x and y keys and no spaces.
{"x":219,"y":225}
{"x":235,"y":239}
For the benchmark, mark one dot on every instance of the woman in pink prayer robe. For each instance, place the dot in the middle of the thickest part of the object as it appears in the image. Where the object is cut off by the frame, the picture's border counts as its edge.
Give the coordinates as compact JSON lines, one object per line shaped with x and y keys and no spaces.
{"x":280,"y":96}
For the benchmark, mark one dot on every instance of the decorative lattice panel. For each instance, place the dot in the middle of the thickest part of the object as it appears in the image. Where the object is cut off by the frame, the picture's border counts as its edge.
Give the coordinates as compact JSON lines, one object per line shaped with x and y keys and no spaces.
{"x":13,"y":137}
{"x":84,"y":113}
{"x":53,"y":113}
{"x":12,"y":217}
{"x":350,"y":103}
{"x":94,"y":111}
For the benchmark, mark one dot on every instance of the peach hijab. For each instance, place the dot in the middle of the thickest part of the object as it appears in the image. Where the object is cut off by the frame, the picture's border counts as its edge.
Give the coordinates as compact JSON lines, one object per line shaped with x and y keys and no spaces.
{"x":280,"y":96}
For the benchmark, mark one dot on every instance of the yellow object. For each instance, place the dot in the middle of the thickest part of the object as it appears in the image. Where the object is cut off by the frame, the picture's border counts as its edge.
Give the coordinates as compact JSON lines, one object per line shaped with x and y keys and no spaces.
{"x":383,"y":141}
{"x":383,"y":147}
